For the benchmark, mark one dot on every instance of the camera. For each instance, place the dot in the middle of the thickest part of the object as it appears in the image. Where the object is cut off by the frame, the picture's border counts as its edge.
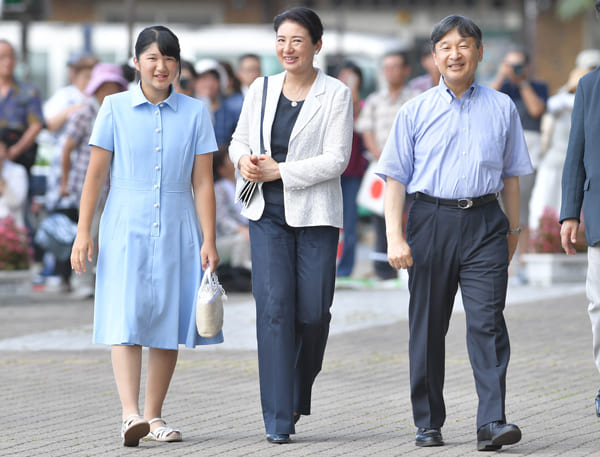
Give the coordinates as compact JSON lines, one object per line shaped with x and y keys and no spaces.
{"x":518,"y":69}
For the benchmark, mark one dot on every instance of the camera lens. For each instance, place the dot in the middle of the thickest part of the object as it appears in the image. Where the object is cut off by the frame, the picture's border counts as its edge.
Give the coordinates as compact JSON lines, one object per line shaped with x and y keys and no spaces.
{"x":518,"y":69}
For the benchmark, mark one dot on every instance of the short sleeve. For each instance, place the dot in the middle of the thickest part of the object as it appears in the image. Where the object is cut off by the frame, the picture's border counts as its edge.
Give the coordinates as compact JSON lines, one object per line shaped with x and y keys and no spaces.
{"x":34,"y":107}
{"x":397,"y":156}
{"x":103,"y":134}
{"x":73,"y":126}
{"x":205,"y":142}
{"x":516,"y":155}
{"x":365,"y":121}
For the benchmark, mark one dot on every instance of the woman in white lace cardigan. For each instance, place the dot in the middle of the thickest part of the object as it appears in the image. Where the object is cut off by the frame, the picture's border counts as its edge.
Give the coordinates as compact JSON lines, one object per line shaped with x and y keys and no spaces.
{"x":295,"y":214}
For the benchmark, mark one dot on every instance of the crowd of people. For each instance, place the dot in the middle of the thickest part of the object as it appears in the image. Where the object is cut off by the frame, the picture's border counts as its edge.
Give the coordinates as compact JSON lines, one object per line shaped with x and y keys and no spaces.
{"x":148,"y":168}
{"x":64,"y":122}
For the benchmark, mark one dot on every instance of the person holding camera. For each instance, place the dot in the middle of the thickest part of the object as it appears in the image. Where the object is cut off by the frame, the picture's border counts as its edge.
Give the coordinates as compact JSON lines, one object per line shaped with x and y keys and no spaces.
{"x":514,"y":79}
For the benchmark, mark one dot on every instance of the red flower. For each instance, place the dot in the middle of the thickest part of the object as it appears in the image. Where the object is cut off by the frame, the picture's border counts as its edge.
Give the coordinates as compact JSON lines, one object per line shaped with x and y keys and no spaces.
{"x":547,"y":237}
{"x":15,"y":248}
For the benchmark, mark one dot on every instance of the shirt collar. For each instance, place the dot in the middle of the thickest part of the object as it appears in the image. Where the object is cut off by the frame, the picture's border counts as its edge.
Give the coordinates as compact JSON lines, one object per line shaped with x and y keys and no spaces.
{"x":448,"y":95}
{"x":138,"y":97}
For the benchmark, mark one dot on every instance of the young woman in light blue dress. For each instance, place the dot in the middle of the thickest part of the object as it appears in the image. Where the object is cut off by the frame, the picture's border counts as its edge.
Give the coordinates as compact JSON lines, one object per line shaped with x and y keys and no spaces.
{"x":157,"y":145}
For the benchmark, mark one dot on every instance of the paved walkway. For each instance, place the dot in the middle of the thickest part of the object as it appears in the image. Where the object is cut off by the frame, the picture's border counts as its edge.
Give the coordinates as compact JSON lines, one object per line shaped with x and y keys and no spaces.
{"x":58,"y":396}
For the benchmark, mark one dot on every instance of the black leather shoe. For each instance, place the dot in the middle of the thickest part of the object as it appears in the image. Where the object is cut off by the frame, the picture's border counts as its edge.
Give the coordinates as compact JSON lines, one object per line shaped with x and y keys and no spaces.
{"x":598,"y":404}
{"x":427,"y":437}
{"x":492,"y":436}
{"x":278,"y":438}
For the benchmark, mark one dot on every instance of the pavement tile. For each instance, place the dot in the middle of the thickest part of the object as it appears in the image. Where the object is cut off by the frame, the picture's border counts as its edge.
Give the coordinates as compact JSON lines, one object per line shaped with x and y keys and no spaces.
{"x":64,"y":402}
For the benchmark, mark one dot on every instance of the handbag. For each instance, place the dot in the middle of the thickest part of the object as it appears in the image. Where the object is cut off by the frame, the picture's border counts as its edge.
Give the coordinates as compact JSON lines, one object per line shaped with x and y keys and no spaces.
{"x":209,"y":305}
{"x":370,"y":193}
{"x":247,"y":189}
{"x":56,"y":234}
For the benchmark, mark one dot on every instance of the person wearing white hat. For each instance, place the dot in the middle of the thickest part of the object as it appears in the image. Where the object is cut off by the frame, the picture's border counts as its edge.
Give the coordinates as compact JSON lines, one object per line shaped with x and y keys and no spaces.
{"x":588,"y":59}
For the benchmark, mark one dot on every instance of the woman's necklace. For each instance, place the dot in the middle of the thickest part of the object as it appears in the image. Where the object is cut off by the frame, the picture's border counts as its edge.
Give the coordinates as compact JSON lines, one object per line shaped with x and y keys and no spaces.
{"x":300,"y":94}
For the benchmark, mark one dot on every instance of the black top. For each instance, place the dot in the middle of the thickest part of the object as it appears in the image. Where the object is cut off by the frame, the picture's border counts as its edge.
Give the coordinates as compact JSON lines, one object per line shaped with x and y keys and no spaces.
{"x":285,"y":118}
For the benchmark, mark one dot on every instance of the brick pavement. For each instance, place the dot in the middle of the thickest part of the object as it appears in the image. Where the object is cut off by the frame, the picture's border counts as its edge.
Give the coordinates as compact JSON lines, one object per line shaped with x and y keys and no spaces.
{"x":64,"y":403}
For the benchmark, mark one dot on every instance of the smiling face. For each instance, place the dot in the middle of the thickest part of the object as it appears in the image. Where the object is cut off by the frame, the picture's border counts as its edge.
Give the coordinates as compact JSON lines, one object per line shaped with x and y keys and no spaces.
{"x":457,"y":58}
{"x":157,"y":72}
{"x":295,"y":49}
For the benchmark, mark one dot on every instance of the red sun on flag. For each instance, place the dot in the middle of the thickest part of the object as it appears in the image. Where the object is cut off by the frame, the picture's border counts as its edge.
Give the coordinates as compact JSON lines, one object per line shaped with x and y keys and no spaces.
{"x":376,"y":188}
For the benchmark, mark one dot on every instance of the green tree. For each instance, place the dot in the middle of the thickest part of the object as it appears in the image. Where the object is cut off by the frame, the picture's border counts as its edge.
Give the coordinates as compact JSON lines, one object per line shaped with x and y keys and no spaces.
{"x":567,"y":9}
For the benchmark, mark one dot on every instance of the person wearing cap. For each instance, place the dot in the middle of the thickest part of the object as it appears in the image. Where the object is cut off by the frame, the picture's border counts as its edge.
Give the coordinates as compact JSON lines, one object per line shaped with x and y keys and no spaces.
{"x":588,"y":59}
{"x":555,"y":134}
{"x":456,"y":147}
{"x":581,"y":189}
{"x":105,"y":79}
{"x":68,"y":99}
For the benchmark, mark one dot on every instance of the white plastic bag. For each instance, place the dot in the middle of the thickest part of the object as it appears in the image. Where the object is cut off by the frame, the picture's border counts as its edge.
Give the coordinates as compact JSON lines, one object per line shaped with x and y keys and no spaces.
{"x":209,"y":305}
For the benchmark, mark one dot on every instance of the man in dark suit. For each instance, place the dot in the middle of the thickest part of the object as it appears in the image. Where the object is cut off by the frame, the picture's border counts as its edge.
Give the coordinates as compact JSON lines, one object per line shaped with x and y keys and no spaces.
{"x":581,"y":187}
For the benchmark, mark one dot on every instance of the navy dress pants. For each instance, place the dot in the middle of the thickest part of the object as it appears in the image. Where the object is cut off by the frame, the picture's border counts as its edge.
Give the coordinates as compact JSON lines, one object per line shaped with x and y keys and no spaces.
{"x":452,"y":247}
{"x":293,"y":281}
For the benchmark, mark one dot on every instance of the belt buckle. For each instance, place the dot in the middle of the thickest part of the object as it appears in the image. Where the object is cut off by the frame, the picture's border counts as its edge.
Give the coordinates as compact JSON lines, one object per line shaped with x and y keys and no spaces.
{"x":465,"y":203}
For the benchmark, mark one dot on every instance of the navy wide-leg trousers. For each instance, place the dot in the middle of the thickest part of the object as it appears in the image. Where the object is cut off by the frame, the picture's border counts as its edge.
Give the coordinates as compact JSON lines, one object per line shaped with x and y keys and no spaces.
{"x":452,"y":247}
{"x":293,"y":281}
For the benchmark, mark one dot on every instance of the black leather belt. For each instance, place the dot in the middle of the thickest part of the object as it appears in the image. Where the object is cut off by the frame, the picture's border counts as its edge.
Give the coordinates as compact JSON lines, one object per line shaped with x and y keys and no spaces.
{"x":462,"y":203}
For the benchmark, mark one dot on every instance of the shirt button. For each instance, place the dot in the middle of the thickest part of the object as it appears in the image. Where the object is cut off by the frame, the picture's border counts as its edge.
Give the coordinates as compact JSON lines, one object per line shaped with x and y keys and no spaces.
{"x":156,"y":224}
{"x":464,"y":153}
{"x":464,"y":177}
{"x":157,"y":130}
{"x":161,"y":105}
{"x":158,"y":148}
{"x":156,"y":112}
{"x":157,"y":167}
{"x":156,"y":186}
{"x":156,"y":205}
{"x":463,"y":106}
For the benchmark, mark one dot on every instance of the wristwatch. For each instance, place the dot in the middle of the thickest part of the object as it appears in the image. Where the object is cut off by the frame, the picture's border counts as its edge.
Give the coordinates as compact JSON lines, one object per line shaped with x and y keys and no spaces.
{"x":515,"y":231}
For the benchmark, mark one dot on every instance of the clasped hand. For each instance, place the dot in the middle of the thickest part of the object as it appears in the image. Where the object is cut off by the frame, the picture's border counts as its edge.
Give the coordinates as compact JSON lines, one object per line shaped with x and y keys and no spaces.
{"x":261,"y":168}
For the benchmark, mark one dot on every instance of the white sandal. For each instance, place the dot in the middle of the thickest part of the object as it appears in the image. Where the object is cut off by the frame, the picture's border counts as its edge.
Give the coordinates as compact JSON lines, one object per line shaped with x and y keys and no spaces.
{"x":164,"y":433}
{"x":134,"y":428}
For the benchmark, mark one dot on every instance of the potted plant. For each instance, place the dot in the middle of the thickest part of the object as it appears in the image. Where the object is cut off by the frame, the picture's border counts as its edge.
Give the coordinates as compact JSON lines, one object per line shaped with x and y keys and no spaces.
{"x":15,"y":258}
{"x":549,"y":264}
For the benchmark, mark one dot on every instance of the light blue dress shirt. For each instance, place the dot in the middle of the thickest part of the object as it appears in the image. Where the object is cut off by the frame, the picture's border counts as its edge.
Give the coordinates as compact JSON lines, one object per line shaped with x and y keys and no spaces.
{"x":149,"y":265}
{"x":447,"y":147}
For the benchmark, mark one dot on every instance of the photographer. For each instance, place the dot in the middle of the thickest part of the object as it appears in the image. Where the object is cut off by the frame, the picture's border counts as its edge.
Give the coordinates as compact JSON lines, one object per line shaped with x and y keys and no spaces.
{"x":529,"y":96}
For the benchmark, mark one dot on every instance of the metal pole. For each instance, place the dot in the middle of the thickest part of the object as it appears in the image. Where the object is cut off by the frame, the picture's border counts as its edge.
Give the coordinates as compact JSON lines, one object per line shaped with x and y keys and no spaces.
{"x":130,"y":16}
{"x":530,"y":26}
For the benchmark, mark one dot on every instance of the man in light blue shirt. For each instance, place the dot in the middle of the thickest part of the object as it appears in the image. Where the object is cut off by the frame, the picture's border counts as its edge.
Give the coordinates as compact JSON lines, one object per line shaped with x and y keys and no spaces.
{"x":456,"y":147}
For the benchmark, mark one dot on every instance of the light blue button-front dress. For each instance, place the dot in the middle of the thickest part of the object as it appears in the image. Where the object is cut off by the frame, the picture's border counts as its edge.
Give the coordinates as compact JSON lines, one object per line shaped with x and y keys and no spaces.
{"x":149,"y":266}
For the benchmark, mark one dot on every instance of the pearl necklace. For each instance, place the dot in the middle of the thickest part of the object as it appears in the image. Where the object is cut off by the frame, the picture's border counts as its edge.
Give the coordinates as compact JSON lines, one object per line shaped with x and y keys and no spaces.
{"x":304,"y":91}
